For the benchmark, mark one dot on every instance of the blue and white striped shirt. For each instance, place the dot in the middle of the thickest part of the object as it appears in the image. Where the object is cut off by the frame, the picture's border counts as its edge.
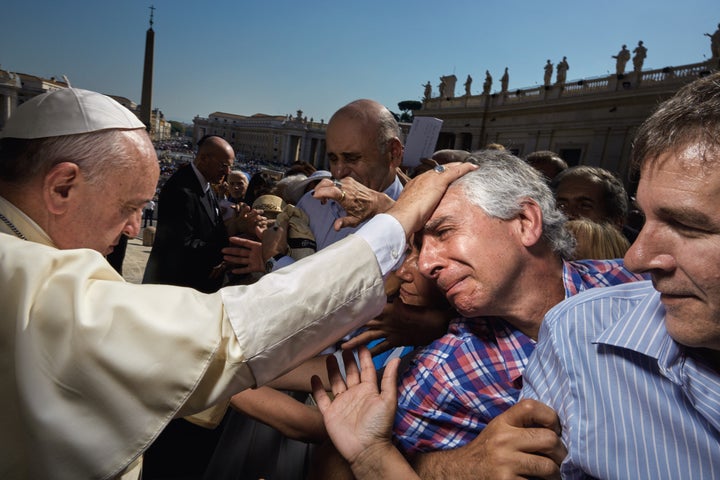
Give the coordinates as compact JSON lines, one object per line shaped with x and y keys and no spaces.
{"x":633,"y":403}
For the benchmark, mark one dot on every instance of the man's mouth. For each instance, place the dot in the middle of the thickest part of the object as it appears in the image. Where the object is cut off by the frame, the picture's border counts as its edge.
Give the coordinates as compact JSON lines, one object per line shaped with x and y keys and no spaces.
{"x":448,"y":287}
{"x":670,"y":297}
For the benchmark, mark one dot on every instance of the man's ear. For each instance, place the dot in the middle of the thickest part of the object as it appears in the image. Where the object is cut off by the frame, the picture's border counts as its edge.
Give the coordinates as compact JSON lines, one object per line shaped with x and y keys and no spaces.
{"x":395,"y":150}
{"x":530,"y":223}
{"x":59,"y":185}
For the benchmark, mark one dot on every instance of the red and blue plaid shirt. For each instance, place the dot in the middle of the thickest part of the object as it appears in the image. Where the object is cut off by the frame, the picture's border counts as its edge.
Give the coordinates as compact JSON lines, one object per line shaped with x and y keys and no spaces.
{"x":461,"y":381}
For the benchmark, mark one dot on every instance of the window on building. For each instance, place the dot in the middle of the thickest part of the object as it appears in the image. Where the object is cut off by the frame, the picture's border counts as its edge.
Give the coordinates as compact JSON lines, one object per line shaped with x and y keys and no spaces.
{"x":445,"y":140}
{"x":572,"y":156}
{"x":466,"y":141}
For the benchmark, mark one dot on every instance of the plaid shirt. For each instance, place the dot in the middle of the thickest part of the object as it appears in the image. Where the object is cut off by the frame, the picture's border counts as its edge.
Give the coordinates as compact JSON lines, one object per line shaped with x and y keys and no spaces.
{"x":461,"y":381}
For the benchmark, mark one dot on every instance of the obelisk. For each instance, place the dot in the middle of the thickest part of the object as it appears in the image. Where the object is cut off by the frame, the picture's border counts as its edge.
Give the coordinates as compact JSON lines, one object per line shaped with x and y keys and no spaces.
{"x":146,"y":101}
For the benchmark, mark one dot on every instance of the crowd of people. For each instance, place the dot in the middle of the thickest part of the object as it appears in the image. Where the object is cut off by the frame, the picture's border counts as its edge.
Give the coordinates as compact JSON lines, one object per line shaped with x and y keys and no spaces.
{"x":479,"y":316}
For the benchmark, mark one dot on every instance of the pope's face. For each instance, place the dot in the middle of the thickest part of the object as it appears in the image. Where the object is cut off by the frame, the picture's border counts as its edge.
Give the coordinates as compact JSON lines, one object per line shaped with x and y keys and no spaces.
{"x":101,"y":212}
{"x":679,"y":245}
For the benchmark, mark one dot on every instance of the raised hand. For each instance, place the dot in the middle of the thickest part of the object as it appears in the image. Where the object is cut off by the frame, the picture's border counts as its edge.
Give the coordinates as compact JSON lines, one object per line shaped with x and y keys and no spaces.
{"x":244,"y":255}
{"x":246,"y":221}
{"x":522,"y":442}
{"x":401,"y":325}
{"x":359,"y":201}
{"x":422,"y":194}
{"x":359,"y":419}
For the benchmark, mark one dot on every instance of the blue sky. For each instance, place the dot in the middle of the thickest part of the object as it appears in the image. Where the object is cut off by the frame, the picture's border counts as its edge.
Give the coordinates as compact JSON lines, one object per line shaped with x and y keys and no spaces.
{"x":276,"y":57}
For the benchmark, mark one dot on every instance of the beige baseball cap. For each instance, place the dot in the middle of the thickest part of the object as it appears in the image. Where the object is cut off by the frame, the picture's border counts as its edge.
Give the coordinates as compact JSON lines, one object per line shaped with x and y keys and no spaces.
{"x":68,"y":111}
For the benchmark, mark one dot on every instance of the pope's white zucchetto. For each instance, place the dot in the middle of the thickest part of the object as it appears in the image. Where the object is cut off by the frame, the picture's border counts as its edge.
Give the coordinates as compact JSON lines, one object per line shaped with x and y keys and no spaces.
{"x":68,"y":111}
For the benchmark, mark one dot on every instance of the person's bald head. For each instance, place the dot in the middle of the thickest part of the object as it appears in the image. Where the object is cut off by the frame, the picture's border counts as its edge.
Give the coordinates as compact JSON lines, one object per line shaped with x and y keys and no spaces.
{"x":372,"y":117}
{"x":215,"y":158}
{"x":363,"y":142}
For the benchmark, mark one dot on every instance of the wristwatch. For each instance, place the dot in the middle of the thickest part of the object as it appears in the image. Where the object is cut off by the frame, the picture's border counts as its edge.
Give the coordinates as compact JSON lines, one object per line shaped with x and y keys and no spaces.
{"x":270,"y":262}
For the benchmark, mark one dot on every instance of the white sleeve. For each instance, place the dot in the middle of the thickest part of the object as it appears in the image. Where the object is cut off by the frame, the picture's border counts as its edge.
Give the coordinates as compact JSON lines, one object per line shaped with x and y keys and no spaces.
{"x":385,"y":236}
{"x":291,"y":315}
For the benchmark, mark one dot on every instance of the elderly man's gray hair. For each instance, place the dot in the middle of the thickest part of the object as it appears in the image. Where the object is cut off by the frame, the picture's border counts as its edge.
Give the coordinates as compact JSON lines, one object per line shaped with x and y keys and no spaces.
{"x":500,"y":186}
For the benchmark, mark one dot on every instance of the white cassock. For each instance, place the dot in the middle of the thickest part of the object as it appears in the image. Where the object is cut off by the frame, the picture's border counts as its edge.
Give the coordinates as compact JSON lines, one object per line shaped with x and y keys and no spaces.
{"x":92,"y":368}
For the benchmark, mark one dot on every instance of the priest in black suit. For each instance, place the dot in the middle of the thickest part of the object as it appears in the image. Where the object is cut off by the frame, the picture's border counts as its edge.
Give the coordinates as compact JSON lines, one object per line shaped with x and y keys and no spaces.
{"x":190,"y":231}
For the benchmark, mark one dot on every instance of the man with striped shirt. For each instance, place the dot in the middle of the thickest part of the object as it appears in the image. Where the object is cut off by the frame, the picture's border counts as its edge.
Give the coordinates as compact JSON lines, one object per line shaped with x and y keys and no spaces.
{"x":634,"y":371}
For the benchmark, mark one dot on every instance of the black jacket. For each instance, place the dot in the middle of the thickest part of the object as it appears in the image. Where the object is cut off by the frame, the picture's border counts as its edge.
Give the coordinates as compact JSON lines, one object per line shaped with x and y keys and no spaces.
{"x":189,"y":236}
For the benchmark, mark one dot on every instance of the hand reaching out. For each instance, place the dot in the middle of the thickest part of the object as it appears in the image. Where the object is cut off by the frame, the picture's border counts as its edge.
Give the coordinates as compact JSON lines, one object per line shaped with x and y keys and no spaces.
{"x":400,"y":325}
{"x":524,"y":441}
{"x":359,"y":420}
{"x":244,"y":256}
{"x":246,"y":221}
{"x":422,"y":194}
{"x":359,"y":417}
{"x":274,"y":240}
{"x":249,"y":256}
{"x":359,"y":201}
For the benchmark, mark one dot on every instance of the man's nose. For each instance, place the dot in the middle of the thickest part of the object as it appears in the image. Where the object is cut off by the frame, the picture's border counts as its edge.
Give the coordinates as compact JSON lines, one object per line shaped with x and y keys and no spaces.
{"x":340,"y":169}
{"x":650,"y":251}
{"x":429,"y":263}
{"x":132,"y":227}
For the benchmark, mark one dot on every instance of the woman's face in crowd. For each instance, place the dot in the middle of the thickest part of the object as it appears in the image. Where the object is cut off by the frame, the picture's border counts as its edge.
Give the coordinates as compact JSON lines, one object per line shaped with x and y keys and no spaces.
{"x":415,"y":289}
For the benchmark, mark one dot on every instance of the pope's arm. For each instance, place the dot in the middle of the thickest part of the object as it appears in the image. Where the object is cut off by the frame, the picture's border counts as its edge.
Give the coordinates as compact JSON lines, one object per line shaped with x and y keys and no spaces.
{"x":98,"y":361}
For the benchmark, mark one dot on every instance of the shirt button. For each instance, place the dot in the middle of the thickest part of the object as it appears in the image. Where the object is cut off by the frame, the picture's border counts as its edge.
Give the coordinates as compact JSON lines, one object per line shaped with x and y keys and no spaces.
{"x":394,"y":254}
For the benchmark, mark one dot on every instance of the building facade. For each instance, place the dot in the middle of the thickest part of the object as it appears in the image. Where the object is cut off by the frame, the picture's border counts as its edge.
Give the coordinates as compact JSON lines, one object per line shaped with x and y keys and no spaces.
{"x":267,"y":138}
{"x":160,"y":129}
{"x":588,"y":121}
{"x":17,"y":88}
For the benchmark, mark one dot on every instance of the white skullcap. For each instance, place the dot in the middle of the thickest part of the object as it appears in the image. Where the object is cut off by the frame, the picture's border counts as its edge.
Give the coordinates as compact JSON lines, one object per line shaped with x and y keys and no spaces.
{"x":68,"y":111}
